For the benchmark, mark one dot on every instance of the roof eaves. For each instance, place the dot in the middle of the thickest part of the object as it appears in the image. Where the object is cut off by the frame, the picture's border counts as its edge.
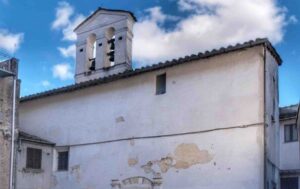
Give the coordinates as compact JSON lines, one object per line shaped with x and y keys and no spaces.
{"x":31,"y":138}
{"x":298,"y":114}
{"x":39,"y":142}
{"x":161,"y":65}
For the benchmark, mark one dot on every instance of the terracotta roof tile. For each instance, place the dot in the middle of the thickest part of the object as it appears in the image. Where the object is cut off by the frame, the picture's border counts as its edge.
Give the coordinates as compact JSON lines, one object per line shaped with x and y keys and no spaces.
{"x":161,"y":65}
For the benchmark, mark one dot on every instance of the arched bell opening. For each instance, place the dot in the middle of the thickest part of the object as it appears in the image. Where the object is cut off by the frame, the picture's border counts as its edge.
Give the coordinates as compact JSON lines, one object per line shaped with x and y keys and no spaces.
{"x":91,"y":52}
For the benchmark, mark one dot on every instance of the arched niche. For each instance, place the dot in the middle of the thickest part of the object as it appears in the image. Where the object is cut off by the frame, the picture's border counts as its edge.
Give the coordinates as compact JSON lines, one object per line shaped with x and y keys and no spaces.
{"x":111,"y":37}
{"x":91,"y":51}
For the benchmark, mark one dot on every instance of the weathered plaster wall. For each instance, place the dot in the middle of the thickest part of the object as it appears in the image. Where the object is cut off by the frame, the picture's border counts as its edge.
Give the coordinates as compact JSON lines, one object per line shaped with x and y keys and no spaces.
{"x":6,"y":112}
{"x":289,"y":151}
{"x":34,"y":179}
{"x":5,"y":130}
{"x":201,"y":97}
{"x":272,"y":121}
{"x":206,"y":160}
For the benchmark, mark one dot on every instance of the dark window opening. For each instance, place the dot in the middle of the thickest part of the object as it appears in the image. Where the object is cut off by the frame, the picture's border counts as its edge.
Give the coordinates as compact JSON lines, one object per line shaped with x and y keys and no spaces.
{"x":290,"y":133}
{"x":289,"y":183}
{"x":63,"y":161}
{"x":92,"y":64}
{"x":161,"y":84}
{"x":34,"y":158}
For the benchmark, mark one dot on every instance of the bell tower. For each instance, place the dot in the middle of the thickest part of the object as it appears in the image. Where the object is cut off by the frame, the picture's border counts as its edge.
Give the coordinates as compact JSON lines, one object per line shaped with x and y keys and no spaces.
{"x":104,"y":44}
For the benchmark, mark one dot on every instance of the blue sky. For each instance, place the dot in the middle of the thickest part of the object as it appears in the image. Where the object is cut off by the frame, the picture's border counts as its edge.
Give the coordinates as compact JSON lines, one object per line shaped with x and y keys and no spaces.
{"x":40,"y":32}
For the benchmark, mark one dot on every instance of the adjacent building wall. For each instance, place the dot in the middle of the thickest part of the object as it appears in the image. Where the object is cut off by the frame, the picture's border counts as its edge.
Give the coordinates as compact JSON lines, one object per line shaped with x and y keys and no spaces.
{"x":205,"y":130}
{"x":271,"y":121}
{"x":34,"y":179}
{"x":5,"y":130}
{"x":6,"y":113}
{"x":289,"y":151}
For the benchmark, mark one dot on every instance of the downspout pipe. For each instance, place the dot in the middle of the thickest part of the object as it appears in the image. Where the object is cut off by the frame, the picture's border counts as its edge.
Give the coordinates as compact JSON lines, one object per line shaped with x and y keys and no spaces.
{"x":11,"y":173}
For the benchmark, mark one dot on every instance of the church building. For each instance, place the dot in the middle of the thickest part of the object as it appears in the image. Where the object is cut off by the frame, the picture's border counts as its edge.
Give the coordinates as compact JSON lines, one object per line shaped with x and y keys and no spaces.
{"x":207,"y":120}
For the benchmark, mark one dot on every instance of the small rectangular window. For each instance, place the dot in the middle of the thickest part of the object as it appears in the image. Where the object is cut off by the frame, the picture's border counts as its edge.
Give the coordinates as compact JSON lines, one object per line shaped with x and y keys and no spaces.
{"x":161,"y":84}
{"x":290,"y":133}
{"x":289,"y":182}
{"x":34,"y":158}
{"x":63,"y":161}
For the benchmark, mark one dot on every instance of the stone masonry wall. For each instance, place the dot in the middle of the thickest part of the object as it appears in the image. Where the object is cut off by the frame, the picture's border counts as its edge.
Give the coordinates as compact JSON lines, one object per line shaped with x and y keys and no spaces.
{"x":6,"y":106}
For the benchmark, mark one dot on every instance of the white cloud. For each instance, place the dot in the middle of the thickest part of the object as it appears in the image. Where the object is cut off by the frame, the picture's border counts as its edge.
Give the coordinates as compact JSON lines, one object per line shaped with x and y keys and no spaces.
{"x":66,"y":20}
{"x":211,"y":24}
{"x":68,"y":52}
{"x":10,"y":41}
{"x":62,"y":71}
{"x":63,"y":13}
{"x":156,"y":15}
{"x":45,"y":83}
{"x":68,"y":33}
{"x":293,"y":19}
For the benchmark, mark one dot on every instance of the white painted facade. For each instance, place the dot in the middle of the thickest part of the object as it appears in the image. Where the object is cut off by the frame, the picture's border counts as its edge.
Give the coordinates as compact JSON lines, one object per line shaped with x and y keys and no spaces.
{"x":211,"y":129}
{"x":289,"y":150}
{"x":201,"y":96}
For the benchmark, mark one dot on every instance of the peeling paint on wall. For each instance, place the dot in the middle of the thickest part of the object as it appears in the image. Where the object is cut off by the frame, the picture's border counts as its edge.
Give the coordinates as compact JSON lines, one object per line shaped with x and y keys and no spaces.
{"x":75,"y":170}
{"x":148,"y":167}
{"x":185,"y":156}
{"x":165,"y":164}
{"x":132,"y":161}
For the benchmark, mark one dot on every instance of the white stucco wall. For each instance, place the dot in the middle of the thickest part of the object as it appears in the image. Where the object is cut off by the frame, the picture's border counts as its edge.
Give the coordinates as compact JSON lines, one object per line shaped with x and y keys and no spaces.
{"x":94,"y":166}
{"x":289,"y":151}
{"x":34,"y":179}
{"x":216,"y":93}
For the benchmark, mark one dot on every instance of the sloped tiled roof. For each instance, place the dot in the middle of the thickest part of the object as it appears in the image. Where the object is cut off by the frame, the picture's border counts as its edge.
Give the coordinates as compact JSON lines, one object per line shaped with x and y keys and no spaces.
{"x":31,"y":138}
{"x":288,"y":111}
{"x":184,"y":60}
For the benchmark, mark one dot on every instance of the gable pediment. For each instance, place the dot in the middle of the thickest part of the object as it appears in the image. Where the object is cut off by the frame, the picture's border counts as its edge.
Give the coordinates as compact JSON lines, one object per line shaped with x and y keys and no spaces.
{"x":103,"y":17}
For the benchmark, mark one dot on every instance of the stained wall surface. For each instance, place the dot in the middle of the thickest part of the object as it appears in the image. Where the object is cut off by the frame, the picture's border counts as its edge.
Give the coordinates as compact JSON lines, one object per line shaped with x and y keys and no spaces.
{"x":206,"y":131}
{"x":6,"y":113}
{"x":272,"y":126}
{"x":34,"y":179}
